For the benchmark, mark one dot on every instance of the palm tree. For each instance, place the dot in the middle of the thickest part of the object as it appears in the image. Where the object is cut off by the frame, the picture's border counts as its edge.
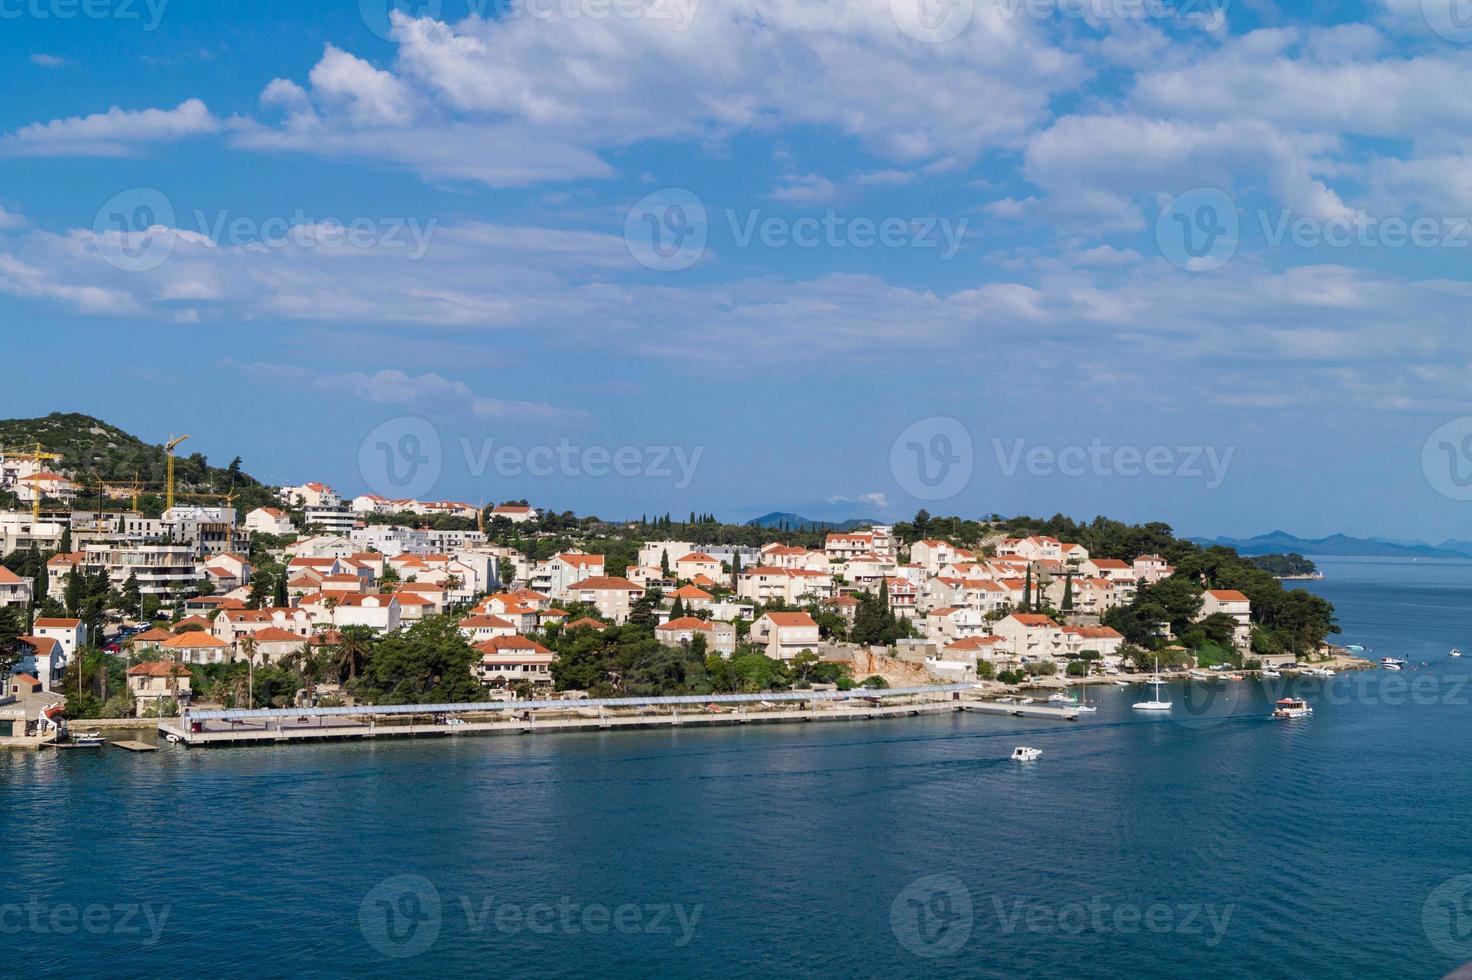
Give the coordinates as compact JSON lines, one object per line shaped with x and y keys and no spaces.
{"x":248,"y":647}
{"x":353,"y":650}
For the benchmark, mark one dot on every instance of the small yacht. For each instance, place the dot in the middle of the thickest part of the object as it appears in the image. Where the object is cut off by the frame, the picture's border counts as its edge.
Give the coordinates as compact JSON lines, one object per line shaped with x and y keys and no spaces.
{"x":1024,"y":700}
{"x":1292,"y":708}
{"x":1390,"y":663}
{"x":88,"y":739}
{"x":1155,"y":704}
{"x":1121,"y":684}
{"x":1270,"y":672}
{"x":1455,"y":652}
{"x":1025,"y":753}
{"x":1062,"y":698}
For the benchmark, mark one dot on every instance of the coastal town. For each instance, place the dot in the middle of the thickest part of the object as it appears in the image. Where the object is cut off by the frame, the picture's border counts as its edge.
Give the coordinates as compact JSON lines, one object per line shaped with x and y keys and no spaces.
{"x":314,"y":598}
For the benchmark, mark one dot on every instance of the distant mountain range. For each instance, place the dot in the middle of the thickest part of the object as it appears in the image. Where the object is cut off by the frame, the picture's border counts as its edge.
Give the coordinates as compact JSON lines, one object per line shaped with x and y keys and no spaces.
{"x":796,"y":522}
{"x":1275,"y":542}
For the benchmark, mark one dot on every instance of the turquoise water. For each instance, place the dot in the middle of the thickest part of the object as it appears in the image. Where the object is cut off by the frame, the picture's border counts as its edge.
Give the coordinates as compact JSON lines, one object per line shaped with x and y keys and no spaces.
{"x":1218,"y":842}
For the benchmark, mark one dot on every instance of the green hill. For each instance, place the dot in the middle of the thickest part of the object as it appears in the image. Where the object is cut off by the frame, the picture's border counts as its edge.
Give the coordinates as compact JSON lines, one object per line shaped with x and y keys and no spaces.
{"x":91,"y":448}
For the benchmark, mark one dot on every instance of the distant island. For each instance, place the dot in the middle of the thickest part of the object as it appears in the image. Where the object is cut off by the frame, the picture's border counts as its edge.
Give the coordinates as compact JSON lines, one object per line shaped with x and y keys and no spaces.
{"x":1338,"y":545}
{"x":1291,"y":565}
{"x":781,"y":521}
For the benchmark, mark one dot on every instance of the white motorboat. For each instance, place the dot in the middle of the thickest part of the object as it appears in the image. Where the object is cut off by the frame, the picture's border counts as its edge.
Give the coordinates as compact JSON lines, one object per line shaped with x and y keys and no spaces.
{"x":1155,"y":703}
{"x":1121,"y":684}
{"x":1024,"y":700}
{"x":1061,"y":698}
{"x":1455,"y":652}
{"x":1390,"y":663}
{"x":1024,"y":753}
{"x":1292,"y":708}
{"x":1270,"y":672}
{"x":88,"y":738}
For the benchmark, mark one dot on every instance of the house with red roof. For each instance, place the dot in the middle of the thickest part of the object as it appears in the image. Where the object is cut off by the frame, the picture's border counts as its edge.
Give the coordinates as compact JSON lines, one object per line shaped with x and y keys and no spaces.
{"x":153,"y":683}
{"x":505,"y":660}
{"x":15,"y":590}
{"x":719,"y":637}
{"x":786,"y":634}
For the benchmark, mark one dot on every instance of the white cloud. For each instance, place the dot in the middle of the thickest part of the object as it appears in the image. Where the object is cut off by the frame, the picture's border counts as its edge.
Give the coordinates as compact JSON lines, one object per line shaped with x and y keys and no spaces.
{"x":394,"y":387}
{"x":116,"y":132}
{"x":49,"y":60}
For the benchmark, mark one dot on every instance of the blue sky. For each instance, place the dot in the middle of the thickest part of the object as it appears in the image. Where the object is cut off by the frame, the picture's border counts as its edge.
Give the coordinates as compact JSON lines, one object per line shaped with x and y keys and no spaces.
{"x":1205,"y":261}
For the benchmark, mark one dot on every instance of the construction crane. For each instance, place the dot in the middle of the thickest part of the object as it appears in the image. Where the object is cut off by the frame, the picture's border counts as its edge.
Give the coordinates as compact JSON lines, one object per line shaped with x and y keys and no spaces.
{"x":169,"y":452}
{"x":36,"y":455}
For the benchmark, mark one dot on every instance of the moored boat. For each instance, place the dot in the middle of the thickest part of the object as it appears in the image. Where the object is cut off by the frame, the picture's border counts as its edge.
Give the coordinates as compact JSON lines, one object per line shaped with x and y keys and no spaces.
{"x":1390,"y":663}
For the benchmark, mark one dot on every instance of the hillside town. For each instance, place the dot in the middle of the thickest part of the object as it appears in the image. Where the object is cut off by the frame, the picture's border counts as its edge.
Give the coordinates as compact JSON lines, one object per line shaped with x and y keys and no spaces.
{"x":282,"y":605}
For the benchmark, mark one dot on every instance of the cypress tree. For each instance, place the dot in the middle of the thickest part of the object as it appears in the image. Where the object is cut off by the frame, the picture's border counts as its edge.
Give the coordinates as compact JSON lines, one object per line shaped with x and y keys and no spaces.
{"x":1027,"y":591}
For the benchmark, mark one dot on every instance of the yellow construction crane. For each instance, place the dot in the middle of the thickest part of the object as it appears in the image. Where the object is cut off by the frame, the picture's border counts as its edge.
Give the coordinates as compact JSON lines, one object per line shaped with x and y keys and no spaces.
{"x":169,"y":452}
{"x":36,"y":455}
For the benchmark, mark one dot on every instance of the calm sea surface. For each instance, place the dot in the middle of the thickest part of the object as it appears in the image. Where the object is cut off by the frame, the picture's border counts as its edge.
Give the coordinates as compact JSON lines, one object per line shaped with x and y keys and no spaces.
{"x":1214,"y":843}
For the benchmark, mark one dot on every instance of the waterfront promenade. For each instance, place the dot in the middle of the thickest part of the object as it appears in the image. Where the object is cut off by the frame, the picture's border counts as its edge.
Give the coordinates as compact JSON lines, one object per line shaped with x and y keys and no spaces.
{"x":270,"y":726}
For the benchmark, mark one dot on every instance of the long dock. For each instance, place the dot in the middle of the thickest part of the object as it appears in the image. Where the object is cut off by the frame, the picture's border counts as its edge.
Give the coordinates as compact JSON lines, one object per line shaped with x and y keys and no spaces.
{"x":245,"y":733}
{"x":277,"y":725}
{"x":1021,"y":710}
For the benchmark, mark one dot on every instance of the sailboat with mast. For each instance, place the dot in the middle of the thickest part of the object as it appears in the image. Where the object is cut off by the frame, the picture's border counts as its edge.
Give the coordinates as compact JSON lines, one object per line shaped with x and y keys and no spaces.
{"x":1156,"y":704}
